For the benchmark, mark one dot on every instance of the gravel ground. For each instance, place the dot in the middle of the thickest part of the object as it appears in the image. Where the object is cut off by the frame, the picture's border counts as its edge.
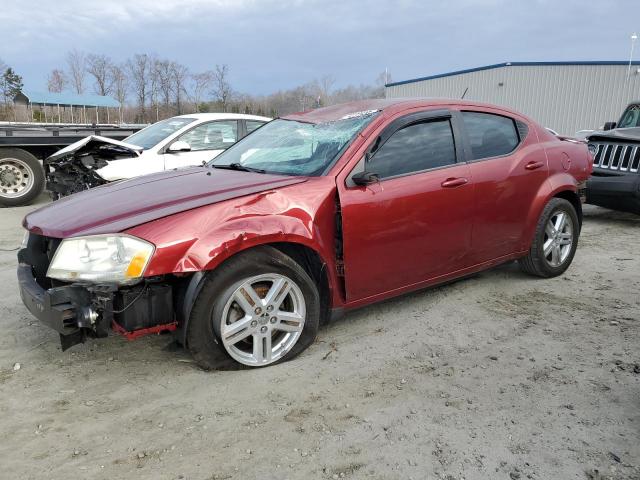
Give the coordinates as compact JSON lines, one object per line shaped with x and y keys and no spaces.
{"x":498,"y":376}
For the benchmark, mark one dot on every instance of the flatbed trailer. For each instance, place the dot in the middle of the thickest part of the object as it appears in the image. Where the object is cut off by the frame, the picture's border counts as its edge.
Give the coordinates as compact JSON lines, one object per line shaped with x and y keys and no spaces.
{"x":24,"y":146}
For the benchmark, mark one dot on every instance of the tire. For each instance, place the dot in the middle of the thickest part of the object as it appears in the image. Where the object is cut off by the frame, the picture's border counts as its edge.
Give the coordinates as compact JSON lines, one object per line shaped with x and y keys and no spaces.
{"x":21,"y":177}
{"x":223,"y":302}
{"x":559,"y":252}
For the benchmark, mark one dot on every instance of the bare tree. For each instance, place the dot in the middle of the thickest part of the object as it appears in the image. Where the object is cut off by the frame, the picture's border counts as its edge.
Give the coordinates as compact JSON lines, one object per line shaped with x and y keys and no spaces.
{"x":57,"y":81}
{"x":140,"y":68}
{"x":76,"y":61}
{"x":179,"y":76}
{"x":221,"y":87}
{"x":326,"y":84}
{"x":382,"y":80}
{"x":200,"y":85}
{"x":120,"y":85}
{"x":154,"y":86}
{"x":100,"y":68}
{"x":307,"y":95}
{"x":163,"y":76}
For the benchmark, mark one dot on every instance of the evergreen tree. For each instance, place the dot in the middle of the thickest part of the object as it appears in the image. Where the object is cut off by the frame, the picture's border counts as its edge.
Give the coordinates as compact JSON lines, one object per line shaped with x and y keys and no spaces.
{"x":10,"y":84}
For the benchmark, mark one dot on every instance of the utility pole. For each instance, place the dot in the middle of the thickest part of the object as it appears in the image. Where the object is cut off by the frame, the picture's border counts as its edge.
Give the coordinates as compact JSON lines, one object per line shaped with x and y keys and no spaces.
{"x":634,"y":37}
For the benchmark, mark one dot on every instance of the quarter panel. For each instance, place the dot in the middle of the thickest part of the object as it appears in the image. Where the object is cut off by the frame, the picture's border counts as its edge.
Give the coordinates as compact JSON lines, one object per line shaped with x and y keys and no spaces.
{"x":563,"y":176}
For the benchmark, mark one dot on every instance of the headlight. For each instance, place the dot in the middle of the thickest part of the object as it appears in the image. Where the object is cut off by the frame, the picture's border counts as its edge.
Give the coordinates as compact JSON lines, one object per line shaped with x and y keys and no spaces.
{"x":101,"y":258}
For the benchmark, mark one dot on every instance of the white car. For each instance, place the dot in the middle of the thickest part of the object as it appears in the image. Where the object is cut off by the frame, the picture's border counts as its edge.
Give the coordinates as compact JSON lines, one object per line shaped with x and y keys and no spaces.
{"x":180,"y":141}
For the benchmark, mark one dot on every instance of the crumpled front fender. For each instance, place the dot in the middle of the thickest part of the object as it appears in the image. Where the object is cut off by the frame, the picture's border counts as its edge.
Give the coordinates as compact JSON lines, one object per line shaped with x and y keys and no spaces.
{"x":202,"y":238}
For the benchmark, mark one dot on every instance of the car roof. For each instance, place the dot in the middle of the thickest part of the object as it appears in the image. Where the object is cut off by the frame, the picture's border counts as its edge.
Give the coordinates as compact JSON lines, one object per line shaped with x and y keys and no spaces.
{"x":391,"y":105}
{"x":223,"y":116}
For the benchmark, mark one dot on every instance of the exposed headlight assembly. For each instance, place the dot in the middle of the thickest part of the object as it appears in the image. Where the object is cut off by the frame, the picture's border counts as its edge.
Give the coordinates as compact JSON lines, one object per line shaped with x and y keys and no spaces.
{"x":119,"y":259}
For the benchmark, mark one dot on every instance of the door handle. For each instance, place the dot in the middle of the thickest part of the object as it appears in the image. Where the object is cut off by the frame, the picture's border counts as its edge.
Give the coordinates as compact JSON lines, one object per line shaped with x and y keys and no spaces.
{"x":534,"y":165}
{"x":454,"y":182}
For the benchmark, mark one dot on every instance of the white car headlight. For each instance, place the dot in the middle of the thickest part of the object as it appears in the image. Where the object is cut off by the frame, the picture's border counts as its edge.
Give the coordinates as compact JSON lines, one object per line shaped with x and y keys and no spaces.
{"x":119,"y":259}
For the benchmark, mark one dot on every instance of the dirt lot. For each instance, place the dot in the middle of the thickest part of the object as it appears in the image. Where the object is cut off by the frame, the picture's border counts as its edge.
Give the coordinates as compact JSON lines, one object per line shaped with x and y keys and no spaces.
{"x":499,"y":376}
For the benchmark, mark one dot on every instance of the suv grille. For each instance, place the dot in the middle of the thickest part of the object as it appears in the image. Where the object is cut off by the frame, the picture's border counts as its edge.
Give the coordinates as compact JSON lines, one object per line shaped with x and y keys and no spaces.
{"x":617,"y":157}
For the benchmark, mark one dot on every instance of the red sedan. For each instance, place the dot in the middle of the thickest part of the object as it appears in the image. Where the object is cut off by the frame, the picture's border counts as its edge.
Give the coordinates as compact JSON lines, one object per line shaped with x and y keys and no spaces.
{"x":310,"y":215}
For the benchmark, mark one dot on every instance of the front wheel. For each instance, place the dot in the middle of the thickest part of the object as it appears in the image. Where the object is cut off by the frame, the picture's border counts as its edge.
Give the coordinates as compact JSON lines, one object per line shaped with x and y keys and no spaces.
{"x":555,"y":240}
{"x":256,"y":309}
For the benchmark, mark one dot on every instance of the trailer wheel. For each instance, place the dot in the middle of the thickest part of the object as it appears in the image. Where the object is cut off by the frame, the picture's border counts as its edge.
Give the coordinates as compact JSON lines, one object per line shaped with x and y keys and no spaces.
{"x":21,"y":177}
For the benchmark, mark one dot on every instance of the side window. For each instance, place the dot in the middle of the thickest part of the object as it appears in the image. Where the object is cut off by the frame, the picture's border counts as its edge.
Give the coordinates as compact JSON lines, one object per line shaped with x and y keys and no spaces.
{"x":212,"y":135}
{"x":253,"y":125}
{"x":490,"y":135}
{"x":417,"y":147}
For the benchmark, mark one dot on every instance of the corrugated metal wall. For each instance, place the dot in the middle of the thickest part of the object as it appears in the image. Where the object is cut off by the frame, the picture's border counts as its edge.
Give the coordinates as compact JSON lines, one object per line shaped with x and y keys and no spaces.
{"x":566,"y":98}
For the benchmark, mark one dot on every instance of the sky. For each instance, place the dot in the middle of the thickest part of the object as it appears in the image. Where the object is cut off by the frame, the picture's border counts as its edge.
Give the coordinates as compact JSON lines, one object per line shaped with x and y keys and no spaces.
{"x":271,"y":45}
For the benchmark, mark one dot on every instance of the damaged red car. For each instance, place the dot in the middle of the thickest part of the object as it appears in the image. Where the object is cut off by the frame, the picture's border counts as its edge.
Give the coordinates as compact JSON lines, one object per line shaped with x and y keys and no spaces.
{"x":309,"y":216}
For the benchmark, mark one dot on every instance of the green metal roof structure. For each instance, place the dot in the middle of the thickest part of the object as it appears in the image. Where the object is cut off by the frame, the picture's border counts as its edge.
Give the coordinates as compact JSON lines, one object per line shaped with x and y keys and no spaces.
{"x":65,"y":99}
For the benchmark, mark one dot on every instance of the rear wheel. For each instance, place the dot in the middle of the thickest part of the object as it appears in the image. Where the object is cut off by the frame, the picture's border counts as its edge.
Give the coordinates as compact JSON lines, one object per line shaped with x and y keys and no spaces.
{"x":555,"y":241}
{"x":257,"y":309}
{"x":21,"y":177}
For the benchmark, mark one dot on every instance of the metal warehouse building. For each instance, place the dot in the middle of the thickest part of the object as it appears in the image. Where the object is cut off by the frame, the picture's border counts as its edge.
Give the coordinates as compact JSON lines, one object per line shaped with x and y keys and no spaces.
{"x":564,"y":96}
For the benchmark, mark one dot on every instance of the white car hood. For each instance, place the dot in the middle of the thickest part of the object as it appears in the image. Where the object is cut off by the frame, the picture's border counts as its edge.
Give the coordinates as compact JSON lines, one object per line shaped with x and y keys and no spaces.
{"x":91,"y":142}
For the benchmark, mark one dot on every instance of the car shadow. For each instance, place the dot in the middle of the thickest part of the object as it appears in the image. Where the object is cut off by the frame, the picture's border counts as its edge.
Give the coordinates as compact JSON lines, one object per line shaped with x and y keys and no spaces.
{"x":509,"y":269}
{"x":604,"y":216}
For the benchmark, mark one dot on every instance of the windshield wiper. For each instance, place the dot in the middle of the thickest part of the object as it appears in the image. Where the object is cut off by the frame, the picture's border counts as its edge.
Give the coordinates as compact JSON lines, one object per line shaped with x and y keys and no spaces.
{"x":237,"y":166}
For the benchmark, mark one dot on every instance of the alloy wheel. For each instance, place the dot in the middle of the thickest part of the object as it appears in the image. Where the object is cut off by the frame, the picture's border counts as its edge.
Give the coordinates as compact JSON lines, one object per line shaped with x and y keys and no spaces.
{"x":262,"y":319}
{"x":558,"y":238}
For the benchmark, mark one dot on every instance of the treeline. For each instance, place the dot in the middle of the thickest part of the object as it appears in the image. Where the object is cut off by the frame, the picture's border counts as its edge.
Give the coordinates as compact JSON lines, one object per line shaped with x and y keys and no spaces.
{"x":151,"y":88}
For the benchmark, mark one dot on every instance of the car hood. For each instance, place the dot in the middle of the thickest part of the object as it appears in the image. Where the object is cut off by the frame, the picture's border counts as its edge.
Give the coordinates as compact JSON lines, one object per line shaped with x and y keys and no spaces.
{"x":95,"y":143}
{"x":632,"y":134}
{"x":121,"y":205}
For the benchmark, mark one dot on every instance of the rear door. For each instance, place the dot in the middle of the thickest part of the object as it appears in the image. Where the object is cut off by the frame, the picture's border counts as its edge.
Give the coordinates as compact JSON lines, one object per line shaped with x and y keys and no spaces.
{"x":508,"y":168}
{"x":415,"y":224}
{"x":207,"y":141}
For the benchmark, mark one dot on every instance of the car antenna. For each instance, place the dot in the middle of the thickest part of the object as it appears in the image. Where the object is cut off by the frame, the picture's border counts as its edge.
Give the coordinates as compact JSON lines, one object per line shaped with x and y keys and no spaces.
{"x":465,"y":92}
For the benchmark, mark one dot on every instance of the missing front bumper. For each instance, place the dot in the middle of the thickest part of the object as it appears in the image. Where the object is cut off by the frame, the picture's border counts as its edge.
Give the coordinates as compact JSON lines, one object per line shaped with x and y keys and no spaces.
{"x":76,"y":311}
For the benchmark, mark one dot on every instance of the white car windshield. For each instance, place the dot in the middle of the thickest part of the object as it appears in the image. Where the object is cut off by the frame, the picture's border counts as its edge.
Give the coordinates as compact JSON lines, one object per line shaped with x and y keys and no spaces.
{"x":154,"y":134}
{"x":290,"y":147}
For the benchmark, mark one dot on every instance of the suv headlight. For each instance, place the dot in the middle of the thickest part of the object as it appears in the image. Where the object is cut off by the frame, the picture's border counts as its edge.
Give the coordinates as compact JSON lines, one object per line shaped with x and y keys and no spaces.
{"x":119,"y":259}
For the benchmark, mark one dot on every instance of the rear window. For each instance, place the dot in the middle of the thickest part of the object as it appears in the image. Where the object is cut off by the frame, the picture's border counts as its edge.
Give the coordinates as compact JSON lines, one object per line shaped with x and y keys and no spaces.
{"x":490,"y":135}
{"x":253,"y":125}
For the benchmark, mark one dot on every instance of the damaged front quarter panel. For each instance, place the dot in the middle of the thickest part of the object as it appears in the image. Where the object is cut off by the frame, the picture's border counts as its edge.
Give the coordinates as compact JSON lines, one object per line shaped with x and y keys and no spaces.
{"x":76,"y":167}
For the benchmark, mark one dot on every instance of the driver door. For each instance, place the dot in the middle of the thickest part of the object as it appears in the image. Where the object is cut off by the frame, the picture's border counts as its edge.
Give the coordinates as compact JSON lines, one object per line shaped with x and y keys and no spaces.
{"x":415,"y":223}
{"x":206,"y":141}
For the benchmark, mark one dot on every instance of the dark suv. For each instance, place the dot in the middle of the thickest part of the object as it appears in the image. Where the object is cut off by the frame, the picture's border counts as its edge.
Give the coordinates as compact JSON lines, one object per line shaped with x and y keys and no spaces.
{"x":616,"y":149}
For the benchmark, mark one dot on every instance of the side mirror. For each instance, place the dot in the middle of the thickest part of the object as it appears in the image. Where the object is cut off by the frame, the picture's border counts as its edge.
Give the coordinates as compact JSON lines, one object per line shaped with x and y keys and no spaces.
{"x":179,"y":146}
{"x":363,"y":179}
{"x":609,"y":125}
